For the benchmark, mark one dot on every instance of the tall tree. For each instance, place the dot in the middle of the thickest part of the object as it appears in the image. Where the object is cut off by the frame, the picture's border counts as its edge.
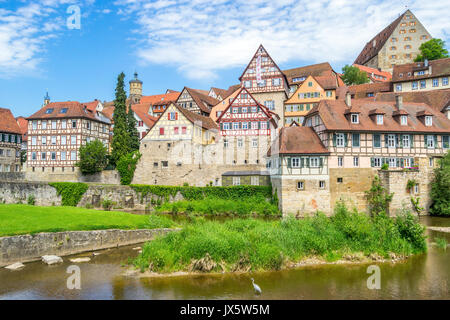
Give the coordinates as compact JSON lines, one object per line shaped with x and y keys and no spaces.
{"x":432,"y":50}
{"x":352,"y":75}
{"x":121,"y":138}
{"x":132,"y":130}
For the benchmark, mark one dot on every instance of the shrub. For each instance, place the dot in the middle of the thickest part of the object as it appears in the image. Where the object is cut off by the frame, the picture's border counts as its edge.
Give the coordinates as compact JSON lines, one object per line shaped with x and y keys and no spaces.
{"x":378,"y":198}
{"x":31,"y":200}
{"x":385,"y":166}
{"x":411,"y":230}
{"x":92,"y":157}
{"x":70,"y":192}
{"x":440,"y":188}
{"x":441,"y":243}
{"x":107,"y":204}
{"x":126,"y":167}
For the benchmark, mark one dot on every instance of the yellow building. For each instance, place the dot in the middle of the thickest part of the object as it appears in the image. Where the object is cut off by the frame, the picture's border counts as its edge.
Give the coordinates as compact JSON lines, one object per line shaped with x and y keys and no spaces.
{"x":307,"y":95}
{"x":177,"y":123}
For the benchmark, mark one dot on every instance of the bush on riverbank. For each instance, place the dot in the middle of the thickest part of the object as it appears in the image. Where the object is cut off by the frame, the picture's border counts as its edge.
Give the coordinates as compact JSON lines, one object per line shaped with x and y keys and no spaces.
{"x":23,"y":219}
{"x":215,"y":206}
{"x":440,"y":188}
{"x":250,"y":244}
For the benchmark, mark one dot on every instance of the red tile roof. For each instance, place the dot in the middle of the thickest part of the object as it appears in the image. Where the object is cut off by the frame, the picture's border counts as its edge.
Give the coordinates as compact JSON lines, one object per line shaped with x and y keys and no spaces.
{"x":333,"y":115}
{"x":372,"y":47}
{"x":23,"y":125}
{"x":405,"y":72}
{"x":74,"y":110}
{"x":372,"y":73}
{"x":203,"y":101}
{"x":315,"y":70}
{"x":327,"y":82}
{"x":170,"y":97}
{"x":91,"y":105}
{"x":141,"y":110}
{"x":297,"y":140}
{"x":7,"y":122}
{"x":361,"y":90}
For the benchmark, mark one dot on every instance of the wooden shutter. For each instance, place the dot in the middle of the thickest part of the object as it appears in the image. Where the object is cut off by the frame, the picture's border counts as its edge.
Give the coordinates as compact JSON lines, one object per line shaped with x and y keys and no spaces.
{"x":168,"y":115}
{"x":176,"y":115}
{"x":289,"y":162}
{"x":411,"y":142}
{"x":435,"y":141}
{"x":385,"y":140}
{"x":320,"y":162}
{"x":334,"y":139}
{"x":302,"y":162}
{"x":372,"y":162}
{"x":345,"y":139}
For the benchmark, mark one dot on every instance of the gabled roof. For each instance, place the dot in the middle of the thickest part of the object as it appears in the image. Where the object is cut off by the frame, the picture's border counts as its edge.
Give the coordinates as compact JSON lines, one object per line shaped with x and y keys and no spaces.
{"x":297,"y":140}
{"x":372,"y":73}
{"x":405,"y":72}
{"x":333,"y":115}
{"x":361,"y":90}
{"x":265,"y":110}
{"x":7,"y":122}
{"x":74,"y":110}
{"x":23,"y":125}
{"x":141,"y":110}
{"x":372,"y":47}
{"x":436,"y":99}
{"x":169,"y":96}
{"x":203,"y":101}
{"x":315,"y":70}
{"x":91,"y":105}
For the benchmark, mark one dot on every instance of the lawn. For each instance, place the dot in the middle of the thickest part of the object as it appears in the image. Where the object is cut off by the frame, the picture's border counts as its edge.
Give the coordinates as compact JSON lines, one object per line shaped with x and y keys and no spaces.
{"x":18,"y":219}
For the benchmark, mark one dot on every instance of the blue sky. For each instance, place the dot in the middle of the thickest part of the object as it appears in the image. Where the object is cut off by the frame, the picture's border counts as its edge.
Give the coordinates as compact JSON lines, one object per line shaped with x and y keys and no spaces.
{"x":172,"y":44}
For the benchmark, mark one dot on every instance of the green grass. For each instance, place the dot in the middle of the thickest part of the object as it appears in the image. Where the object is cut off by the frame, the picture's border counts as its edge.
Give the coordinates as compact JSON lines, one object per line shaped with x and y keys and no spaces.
{"x":24,"y":219}
{"x":269,"y":245}
{"x":441,"y":243}
{"x":255,"y":205}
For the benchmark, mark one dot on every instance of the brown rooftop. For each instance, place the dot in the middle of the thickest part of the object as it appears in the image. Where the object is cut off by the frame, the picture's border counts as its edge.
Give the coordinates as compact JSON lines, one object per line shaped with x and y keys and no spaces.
{"x":405,"y":72}
{"x":297,"y":140}
{"x":8,"y":123}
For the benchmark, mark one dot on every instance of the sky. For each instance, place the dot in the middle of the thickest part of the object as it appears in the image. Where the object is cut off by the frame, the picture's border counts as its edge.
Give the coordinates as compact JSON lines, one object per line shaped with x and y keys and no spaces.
{"x":76,"y":49}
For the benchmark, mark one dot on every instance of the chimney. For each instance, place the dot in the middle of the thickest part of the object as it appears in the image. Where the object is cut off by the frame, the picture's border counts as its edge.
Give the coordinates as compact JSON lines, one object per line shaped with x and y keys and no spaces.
{"x":399,"y":102}
{"x":348,"y":99}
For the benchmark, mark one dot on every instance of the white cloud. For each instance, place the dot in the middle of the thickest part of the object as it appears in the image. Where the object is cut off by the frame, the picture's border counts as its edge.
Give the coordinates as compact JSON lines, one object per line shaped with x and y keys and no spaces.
{"x":25,"y":32}
{"x":201,"y":37}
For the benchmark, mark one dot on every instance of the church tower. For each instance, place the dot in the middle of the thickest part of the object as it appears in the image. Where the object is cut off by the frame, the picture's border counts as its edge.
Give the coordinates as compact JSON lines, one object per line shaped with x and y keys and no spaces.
{"x":46,"y":99}
{"x":135,"y":90}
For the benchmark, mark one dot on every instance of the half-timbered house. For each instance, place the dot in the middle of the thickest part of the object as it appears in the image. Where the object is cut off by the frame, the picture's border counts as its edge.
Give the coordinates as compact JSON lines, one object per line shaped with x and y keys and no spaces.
{"x":58,"y":130}
{"x":266,"y":82}
{"x":196,"y":101}
{"x":10,"y":142}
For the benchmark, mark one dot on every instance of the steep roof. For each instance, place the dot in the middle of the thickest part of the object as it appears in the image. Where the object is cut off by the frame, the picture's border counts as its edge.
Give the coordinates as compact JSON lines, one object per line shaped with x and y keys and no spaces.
{"x":223,"y":105}
{"x":361,"y":90}
{"x":333,"y":115}
{"x":372,"y":73}
{"x":315,"y":70}
{"x":171,"y":96}
{"x":23,"y":125}
{"x":327,"y":82}
{"x":436,"y":99}
{"x":297,"y":140}
{"x":405,"y":72}
{"x":8,"y":123}
{"x":91,"y":105}
{"x":206,"y":122}
{"x":73,"y":109}
{"x":203,"y":101}
{"x":372,"y":47}
{"x":141,"y":110}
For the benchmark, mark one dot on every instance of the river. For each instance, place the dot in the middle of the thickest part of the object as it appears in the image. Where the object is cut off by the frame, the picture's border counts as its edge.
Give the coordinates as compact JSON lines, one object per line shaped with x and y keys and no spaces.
{"x":424,"y":276}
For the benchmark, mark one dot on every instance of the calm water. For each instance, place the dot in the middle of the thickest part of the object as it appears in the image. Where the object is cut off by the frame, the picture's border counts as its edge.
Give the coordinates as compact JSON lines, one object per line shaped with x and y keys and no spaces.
{"x":421,"y":277}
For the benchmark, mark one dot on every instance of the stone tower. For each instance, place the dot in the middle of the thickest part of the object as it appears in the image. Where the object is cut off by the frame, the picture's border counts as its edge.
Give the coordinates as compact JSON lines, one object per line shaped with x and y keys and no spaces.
{"x":46,"y":99}
{"x":135,"y":90}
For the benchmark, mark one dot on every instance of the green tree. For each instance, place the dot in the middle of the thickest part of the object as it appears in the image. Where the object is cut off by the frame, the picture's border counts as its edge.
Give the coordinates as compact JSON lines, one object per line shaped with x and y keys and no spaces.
{"x":120,"y":142}
{"x":432,"y":50}
{"x":132,"y":130}
{"x":378,"y":198}
{"x":440,"y":188}
{"x":92,"y":157}
{"x":352,"y":75}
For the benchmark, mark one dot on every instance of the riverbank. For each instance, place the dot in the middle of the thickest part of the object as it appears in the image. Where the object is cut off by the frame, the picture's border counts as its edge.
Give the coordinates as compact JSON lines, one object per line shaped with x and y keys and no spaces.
{"x":255,"y":245}
{"x":26,"y":219}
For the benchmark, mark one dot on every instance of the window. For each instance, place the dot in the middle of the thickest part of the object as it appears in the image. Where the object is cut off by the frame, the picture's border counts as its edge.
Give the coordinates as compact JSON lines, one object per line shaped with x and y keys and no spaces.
{"x":236,"y":181}
{"x":377,"y":162}
{"x":355,"y":140}
{"x":236,"y":125}
{"x":43,"y":156}
{"x":379,"y":119}
{"x":176,"y":130}
{"x":244,"y":109}
{"x":255,"y":143}
{"x":392,"y":162}
{"x":429,"y":141}
{"x":393,"y":48}
{"x":393,"y":56}
{"x":53,"y":155}
{"x":270,"y":104}
{"x":340,"y":180}
{"x":254,"y":181}
{"x":356,"y":161}
{"x":355,"y":118}
{"x":235,"y":110}
{"x":445,"y":142}
{"x":63,"y":155}
{"x":415,"y":85}
{"x":33,"y":141}
{"x":44,"y":140}
{"x":247,"y":84}
{"x":435,"y":82}
{"x":34,"y":124}
{"x":33,"y":156}
{"x":54,"y":124}
{"x":398,"y":87}
{"x":310,"y":84}
{"x":244,"y":125}
{"x":406,"y":141}
{"x":416,"y":189}
{"x":431,"y":162}
{"x":391,"y":140}
{"x":165,"y":164}
{"x":314,"y":162}
{"x":423,"y":37}
{"x":300,"y":185}
{"x":295,"y":162}
{"x":423,"y":84}
{"x":262,"y":83}
{"x":63,"y":124}
{"x":321,"y":184}
{"x":73,"y":140}
{"x":49,"y":111}
{"x":63,"y":140}
{"x":276,"y":82}
{"x":225,"y":143}
{"x":53,"y":140}
{"x":428,"y":121}
{"x":412,"y":30}
{"x":394,"y":39}
{"x":445,"y":81}
{"x":240,"y":143}
{"x":254,"y":109}
{"x":340,"y":161}
{"x":73,"y":155}
{"x":74,"y":123}
{"x":255,"y":125}
{"x":408,"y":46}
{"x":340,"y":140}
{"x":161,"y":131}
{"x":44,"y":125}
{"x":403,"y":120}
{"x":407,"y":39}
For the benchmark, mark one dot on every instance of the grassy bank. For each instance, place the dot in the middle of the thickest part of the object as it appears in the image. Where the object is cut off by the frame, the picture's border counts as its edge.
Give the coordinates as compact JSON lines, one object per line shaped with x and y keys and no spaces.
{"x":24,"y":219}
{"x":250,"y":244}
{"x":215,"y":206}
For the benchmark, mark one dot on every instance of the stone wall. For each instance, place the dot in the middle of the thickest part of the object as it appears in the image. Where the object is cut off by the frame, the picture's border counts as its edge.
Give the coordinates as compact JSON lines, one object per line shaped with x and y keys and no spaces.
{"x":27,"y":248}
{"x":18,"y":192}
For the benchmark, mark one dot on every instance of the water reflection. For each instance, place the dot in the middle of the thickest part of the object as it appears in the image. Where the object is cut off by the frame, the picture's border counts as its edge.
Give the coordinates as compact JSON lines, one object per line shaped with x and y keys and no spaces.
{"x":422,"y":277}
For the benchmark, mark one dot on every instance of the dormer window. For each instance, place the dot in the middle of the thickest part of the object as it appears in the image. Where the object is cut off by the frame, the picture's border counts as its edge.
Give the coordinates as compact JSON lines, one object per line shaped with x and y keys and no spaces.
{"x":355,"y":118}
{"x":379,"y":119}
{"x":428,"y":121}
{"x":403,"y":120}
